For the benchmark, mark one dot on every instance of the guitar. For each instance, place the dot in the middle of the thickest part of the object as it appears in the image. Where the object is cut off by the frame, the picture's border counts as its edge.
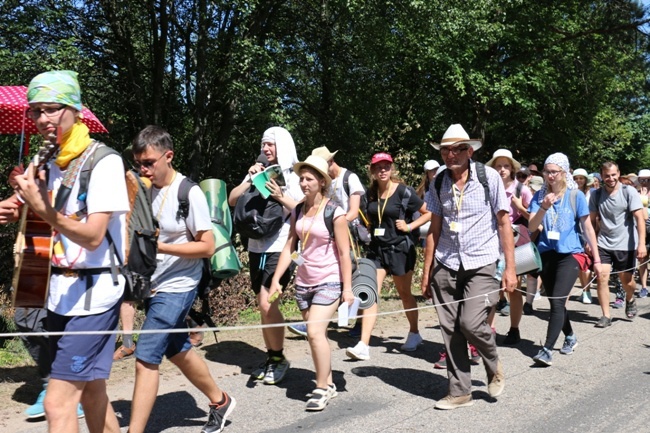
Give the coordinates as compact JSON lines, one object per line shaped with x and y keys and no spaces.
{"x":33,"y":246}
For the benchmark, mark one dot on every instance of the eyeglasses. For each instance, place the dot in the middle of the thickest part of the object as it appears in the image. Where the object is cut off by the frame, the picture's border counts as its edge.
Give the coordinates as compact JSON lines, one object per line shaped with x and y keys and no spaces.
{"x":522,"y":176}
{"x":454,"y":150}
{"x":147,"y":163}
{"x":552,"y":173}
{"x":35,"y":113}
{"x":644,"y":180}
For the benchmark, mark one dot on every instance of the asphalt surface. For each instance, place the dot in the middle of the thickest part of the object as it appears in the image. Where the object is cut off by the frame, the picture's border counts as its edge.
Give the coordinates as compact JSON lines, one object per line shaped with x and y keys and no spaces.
{"x":602,"y":387}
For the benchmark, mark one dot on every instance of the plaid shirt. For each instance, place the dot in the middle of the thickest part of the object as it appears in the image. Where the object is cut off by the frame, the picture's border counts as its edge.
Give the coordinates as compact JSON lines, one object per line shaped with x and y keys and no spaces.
{"x":477,"y":244}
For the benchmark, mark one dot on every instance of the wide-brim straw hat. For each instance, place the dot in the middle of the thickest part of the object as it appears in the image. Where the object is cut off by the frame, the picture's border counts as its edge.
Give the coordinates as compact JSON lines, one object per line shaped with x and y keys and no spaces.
{"x":316,"y":163}
{"x":324,"y":153}
{"x":455,"y":134}
{"x":504,"y":153}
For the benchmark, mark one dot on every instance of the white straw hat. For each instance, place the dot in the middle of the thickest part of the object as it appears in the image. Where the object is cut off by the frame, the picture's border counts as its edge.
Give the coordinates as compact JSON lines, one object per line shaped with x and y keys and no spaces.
{"x":455,"y":134}
{"x":504,"y":153}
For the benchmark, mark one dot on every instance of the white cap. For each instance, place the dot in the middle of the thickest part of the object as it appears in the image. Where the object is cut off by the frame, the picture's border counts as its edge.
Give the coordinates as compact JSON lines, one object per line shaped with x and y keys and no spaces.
{"x":431,"y":165}
{"x":644,"y":173}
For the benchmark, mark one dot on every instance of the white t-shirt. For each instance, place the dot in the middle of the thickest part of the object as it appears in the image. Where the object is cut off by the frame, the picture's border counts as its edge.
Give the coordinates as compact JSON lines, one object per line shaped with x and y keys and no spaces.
{"x":275,"y":243}
{"x":178,"y":274}
{"x":106,"y":193}
{"x":337,"y":191}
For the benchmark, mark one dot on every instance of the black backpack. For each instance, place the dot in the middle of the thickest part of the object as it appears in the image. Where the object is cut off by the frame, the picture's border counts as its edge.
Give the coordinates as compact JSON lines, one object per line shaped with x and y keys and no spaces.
{"x":482,"y":178}
{"x":409,"y":216}
{"x":256,"y":217}
{"x":328,"y":215}
{"x":141,"y":229}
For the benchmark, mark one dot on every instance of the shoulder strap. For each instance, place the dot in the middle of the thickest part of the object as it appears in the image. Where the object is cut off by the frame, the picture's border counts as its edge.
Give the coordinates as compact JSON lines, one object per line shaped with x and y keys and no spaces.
{"x":184,"y":198}
{"x":346,"y":182}
{"x":518,"y":189}
{"x":98,"y":154}
{"x":573,"y":197}
{"x":482,"y":178}
{"x":405,"y":203}
{"x":437,"y":183}
{"x":328,"y":216}
{"x":598,"y":194}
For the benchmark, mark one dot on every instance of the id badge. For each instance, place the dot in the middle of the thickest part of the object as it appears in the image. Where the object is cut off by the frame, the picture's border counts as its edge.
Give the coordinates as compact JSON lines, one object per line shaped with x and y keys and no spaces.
{"x":553,"y":235}
{"x":379,"y":231}
{"x":297,"y":258}
{"x":455,"y":226}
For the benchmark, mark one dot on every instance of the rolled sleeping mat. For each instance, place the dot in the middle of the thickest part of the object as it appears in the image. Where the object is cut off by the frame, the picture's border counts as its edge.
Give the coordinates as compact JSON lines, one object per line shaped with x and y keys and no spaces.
{"x":527,"y":259}
{"x":364,"y":284}
{"x":225,"y":261}
{"x":217,"y":196}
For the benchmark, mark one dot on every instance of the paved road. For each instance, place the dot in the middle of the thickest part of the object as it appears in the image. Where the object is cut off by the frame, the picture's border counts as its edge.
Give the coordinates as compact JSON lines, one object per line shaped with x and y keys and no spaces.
{"x":603,"y":387}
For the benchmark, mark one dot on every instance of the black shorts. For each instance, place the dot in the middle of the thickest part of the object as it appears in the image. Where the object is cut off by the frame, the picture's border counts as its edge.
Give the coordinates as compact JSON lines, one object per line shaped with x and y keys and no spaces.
{"x":397,"y":260}
{"x":620,"y":260}
{"x":262,"y":269}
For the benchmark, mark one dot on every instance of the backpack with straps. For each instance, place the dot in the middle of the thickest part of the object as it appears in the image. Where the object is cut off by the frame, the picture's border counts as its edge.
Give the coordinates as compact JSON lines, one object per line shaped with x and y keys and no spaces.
{"x":482,"y":178}
{"x":256,"y":217}
{"x":409,"y":217}
{"x":141,"y":245}
{"x":328,"y":215}
{"x":363,"y":203}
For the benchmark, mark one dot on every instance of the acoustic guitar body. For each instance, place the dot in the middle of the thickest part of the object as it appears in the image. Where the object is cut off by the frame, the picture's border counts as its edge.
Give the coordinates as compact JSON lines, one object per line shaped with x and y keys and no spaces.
{"x":32,"y":253}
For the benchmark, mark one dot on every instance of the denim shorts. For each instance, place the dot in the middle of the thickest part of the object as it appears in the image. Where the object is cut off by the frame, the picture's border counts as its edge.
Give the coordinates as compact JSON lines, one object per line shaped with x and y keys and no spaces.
{"x":83,"y":358}
{"x":322,"y":294}
{"x":165,"y":311}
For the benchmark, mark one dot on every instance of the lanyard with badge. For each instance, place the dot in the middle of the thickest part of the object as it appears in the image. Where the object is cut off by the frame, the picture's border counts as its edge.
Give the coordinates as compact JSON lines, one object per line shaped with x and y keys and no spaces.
{"x":380,"y":231}
{"x":553,"y":234}
{"x":455,"y":226}
{"x":296,"y":256}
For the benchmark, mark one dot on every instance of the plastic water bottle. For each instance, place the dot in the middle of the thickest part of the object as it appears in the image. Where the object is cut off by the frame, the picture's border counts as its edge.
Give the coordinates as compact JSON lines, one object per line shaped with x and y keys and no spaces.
{"x":501,"y":266}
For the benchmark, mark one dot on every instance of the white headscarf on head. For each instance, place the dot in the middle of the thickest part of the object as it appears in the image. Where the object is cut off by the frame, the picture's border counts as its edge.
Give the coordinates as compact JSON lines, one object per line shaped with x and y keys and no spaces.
{"x":285,"y":149}
{"x":562,"y":161}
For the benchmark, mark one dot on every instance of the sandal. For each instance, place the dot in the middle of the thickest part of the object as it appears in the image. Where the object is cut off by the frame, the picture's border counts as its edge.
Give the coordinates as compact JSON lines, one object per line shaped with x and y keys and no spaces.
{"x":123,"y":353}
{"x":318,"y":401}
{"x":630,"y":309}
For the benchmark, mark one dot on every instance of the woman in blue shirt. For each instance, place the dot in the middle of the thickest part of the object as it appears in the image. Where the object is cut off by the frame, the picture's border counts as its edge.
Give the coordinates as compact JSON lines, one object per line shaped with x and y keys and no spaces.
{"x":559,"y":207}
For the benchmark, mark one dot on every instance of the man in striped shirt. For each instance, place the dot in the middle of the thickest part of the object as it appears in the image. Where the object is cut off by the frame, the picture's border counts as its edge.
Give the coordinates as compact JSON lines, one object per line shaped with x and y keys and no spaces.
{"x":469,"y":229}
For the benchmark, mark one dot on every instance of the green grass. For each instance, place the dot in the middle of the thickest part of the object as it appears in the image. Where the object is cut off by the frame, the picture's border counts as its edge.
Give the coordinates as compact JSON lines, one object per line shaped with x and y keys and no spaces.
{"x":14,"y":354}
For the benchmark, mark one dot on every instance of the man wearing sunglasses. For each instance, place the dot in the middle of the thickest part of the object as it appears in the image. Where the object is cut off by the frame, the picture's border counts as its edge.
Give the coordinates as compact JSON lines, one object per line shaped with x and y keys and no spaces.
{"x":467,"y":231}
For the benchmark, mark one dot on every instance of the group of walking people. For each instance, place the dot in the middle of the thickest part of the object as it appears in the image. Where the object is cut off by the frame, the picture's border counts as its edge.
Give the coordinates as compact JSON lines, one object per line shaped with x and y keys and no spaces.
{"x":474,"y":216}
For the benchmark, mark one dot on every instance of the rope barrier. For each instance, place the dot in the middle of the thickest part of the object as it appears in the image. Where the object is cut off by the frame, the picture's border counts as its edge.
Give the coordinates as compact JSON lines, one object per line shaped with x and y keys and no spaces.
{"x":279,"y":325}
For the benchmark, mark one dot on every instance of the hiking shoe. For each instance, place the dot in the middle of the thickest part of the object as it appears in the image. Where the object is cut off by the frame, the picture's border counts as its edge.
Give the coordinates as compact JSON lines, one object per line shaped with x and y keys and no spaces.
{"x":275,"y":371}
{"x":586,"y":297}
{"x":218,"y":415}
{"x":643,"y":293}
{"x":630,"y":309}
{"x":319,"y":399}
{"x":618,"y":303}
{"x":451,"y":402}
{"x":123,"y":353}
{"x":512,"y":337}
{"x":544,"y":357}
{"x":497,"y":382}
{"x":441,"y":364}
{"x":528,"y":309}
{"x":505,"y":311}
{"x":299,"y":329}
{"x":501,"y":303}
{"x":360,"y":352}
{"x":474,"y":356}
{"x":260,"y":371}
{"x":413,"y":340}
{"x":36,"y":410}
{"x":604,"y":322}
{"x":355,"y":331}
{"x":570,"y":343}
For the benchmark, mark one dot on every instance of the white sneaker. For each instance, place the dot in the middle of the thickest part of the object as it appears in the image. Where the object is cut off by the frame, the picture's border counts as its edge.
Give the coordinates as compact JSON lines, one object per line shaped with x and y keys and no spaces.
{"x":412,"y":342}
{"x":586,"y":297}
{"x":538,"y":296}
{"x":361,"y":351}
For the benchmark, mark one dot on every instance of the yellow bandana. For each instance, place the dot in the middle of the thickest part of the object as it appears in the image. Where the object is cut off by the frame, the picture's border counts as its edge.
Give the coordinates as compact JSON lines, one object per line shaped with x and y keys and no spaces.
{"x":73,"y":143}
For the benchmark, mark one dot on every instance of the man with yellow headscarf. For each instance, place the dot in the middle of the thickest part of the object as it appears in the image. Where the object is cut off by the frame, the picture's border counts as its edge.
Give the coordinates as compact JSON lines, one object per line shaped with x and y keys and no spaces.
{"x":83,"y":294}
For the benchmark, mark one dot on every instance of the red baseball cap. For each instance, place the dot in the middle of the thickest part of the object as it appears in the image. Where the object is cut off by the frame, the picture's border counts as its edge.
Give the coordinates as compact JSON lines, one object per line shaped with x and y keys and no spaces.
{"x":381,"y":156}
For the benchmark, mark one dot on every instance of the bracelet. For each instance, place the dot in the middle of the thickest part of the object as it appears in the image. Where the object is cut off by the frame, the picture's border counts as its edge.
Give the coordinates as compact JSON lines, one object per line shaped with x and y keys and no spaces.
{"x":597,"y":262}
{"x":408,"y":226}
{"x":350,"y":291}
{"x":545,"y":208}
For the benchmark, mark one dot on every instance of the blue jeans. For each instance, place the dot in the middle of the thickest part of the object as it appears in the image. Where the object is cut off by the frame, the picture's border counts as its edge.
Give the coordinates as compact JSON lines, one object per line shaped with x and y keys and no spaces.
{"x":165,"y":311}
